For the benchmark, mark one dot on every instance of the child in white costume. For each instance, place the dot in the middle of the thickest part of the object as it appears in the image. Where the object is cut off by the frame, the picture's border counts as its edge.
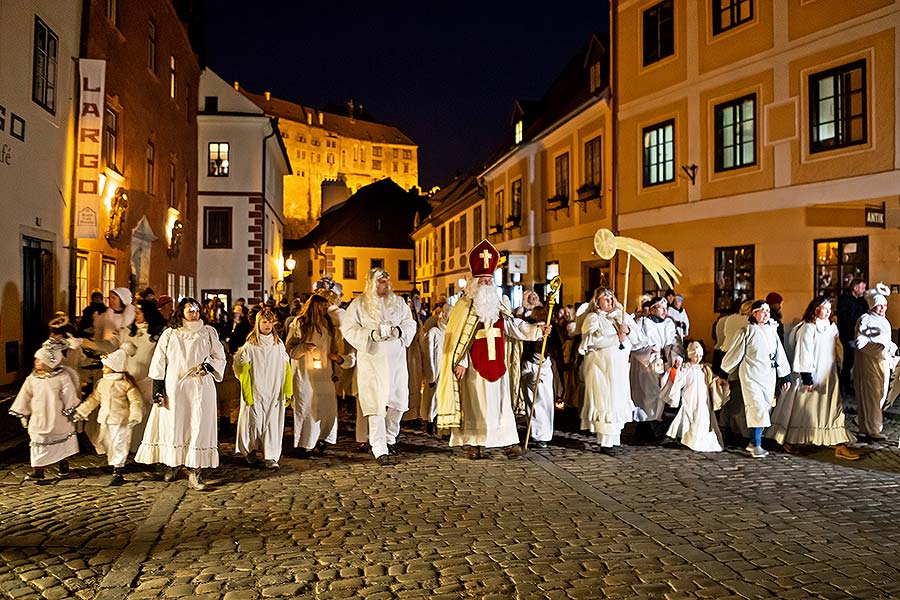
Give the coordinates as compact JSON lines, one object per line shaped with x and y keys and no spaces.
{"x":44,"y":405}
{"x":263,"y":368}
{"x":694,"y":389}
{"x":121,"y":410}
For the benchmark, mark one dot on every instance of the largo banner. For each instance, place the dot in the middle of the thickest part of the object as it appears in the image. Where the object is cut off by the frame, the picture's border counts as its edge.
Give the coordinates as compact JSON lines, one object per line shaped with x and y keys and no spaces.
{"x":90,"y":126}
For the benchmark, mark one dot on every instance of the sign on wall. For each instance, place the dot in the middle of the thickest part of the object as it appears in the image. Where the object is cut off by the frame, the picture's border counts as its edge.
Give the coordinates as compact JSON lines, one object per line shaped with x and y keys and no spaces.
{"x":92,"y":74}
{"x":518,"y":263}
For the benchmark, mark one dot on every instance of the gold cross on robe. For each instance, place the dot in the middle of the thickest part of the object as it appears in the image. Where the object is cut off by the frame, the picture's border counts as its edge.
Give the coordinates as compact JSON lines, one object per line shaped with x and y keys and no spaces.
{"x":490,"y":334}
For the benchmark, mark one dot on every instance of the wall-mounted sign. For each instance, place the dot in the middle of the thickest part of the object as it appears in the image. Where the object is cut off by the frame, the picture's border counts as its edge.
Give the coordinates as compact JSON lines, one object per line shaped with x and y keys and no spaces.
{"x":518,"y":263}
{"x":875,"y":216}
{"x":90,"y":125}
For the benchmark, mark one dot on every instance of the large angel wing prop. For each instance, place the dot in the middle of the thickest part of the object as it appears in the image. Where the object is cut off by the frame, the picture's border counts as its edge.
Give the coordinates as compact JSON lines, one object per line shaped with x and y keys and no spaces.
{"x":660,"y":268}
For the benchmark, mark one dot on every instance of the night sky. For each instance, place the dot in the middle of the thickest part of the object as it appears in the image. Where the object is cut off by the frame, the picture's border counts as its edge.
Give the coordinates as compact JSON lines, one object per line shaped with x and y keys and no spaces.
{"x":445,"y":73}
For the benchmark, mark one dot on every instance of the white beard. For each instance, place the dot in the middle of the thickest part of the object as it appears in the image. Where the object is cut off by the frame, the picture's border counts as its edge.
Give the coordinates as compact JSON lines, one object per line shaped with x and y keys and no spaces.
{"x":374,"y":305}
{"x":485,"y":301}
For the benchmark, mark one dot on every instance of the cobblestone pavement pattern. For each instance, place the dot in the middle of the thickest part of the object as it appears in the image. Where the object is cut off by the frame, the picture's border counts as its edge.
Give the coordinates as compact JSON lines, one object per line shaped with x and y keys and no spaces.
{"x":565,"y":522}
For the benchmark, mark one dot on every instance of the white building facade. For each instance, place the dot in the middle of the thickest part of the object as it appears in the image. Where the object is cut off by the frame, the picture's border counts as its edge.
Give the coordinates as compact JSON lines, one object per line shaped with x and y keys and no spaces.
{"x":242,"y":163}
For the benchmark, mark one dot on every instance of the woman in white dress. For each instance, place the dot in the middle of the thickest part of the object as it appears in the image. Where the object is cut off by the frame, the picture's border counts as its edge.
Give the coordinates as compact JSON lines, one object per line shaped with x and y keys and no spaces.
{"x":315,"y":346}
{"x":607,"y":336}
{"x":757,"y":350}
{"x":139,"y":341}
{"x":181,"y":429}
{"x":811,"y":412}
{"x":263,"y":368}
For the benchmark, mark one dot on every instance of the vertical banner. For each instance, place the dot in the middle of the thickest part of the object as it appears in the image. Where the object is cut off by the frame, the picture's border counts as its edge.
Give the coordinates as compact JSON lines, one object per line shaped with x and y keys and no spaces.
{"x":92,"y":74}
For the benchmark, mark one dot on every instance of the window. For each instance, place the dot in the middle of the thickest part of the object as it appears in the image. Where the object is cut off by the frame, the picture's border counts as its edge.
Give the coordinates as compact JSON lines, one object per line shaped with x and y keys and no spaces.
{"x":349,"y":268}
{"x":837,"y":111}
{"x":838,"y":261}
{"x":219,"y":160}
{"x":81,"y":282}
{"x":151,"y":48}
{"x":329,"y":158}
{"x":172,"y":86}
{"x":595,"y":77}
{"x":515,"y":200}
{"x":443,"y":244}
{"x":649,"y":284}
{"x":112,"y":12}
{"x":395,"y":167}
{"x":452,"y":239}
{"x":395,"y":152}
{"x":43,"y":83}
{"x":376,"y":165}
{"x":151,"y":167}
{"x":659,"y":153}
{"x":728,"y":14}
{"x":182,"y":287}
{"x":659,"y":32}
{"x":733,"y":277}
{"x":405,"y":168}
{"x":108,"y":276}
{"x":404,"y":270}
{"x":500,"y":208}
{"x":376,"y":150}
{"x":463,"y":242}
{"x":407,"y":154}
{"x":736,"y":133}
{"x":519,"y":132}
{"x":592,"y":168}
{"x":477,"y":225}
{"x":561,"y":178}
{"x":110,"y":137}
{"x":362,"y":155}
{"x":190,"y":286}
{"x":172,"y":201}
{"x":211,"y":104}
{"x":171,"y":290}
{"x":217,"y":227}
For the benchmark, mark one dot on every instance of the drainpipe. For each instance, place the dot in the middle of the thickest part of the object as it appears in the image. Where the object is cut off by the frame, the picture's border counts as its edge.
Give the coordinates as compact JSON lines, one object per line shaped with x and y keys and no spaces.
{"x":273,"y":121}
{"x":614,"y":111}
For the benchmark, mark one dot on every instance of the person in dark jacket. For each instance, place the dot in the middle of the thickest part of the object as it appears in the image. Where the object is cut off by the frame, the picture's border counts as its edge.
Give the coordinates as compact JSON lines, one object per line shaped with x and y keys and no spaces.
{"x":851,"y":305}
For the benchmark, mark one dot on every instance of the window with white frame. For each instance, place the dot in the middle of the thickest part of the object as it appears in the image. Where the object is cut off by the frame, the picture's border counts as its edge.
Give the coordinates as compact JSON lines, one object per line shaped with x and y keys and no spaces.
{"x":108,"y":275}
{"x":735,"y":135}
{"x":171,"y":288}
{"x":659,"y":153}
{"x":81,"y":282}
{"x":182,"y":286}
{"x":46,"y":55}
{"x":837,"y":107}
{"x":219,"y":159}
{"x":561,"y":175}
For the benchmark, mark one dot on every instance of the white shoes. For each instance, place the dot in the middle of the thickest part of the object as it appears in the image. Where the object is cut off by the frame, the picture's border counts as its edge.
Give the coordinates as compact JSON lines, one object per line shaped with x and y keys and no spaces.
{"x":757,"y":451}
{"x":195,"y":481}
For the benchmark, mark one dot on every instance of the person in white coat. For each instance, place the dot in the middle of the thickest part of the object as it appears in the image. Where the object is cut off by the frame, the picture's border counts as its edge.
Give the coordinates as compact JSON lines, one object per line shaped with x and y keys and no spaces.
{"x":662,"y":350}
{"x":810,"y":412}
{"x":758,"y":355}
{"x":732,"y":417}
{"x":380,"y":326}
{"x":434,"y":347}
{"x":542,"y":408}
{"x":45,"y":404}
{"x":316,"y":347}
{"x":263,"y":370}
{"x":181,"y":430}
{"x":139,"y":341}
{"x":873,"y":363}
{"x":108,"y":324}
{"x":607,"y":337}
{"x":692,"y":391}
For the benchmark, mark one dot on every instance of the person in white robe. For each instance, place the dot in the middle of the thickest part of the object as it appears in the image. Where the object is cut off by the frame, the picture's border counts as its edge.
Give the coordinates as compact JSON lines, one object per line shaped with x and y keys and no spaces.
{"x":758,"y":356}
{"x":316,"y":347}
{"x":480,"y":365}
{"x":434,"y":347}
{"x":810,"y":412}
{"x":263,"y":370}
{"x":108,"y":324}
{"x":380,"y":326}
{"x":662,"y":351}
{"x":692,"y":391}
{"x":181,"y":430}
{"x":607,"y":336}
{"x":415,"y":360}
{"x":732,"y":416}
{"x":139,"y":341}
{"x":44,"y":405}
{"x":677,"y":313}
{"x":120,"y":410}
{"x":875,"y":358}
{"x":542,"y":408}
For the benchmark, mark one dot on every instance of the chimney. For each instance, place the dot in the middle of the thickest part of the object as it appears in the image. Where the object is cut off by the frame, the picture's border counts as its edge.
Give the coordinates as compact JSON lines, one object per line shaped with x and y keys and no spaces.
{"x":268,"y":96}
{"x":321,"y":118}
{"x":237,"y":85}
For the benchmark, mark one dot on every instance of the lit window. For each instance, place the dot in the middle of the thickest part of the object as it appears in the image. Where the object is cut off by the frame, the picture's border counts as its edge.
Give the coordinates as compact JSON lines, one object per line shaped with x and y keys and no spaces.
{"x":376,"y":150}
{"x":519,"y":131}
{"x":172,"y":77}
{"x":592,"y":165}
{"x":561,"y":171}
{"x":376,"y":165}
{"x":110,"y":137}
{"x":736,"y":134}
{"x":112,"y":12}
{"x":500,"y":208}
{"x":659,"y":153}
{"x":733,"y":277}
{"x":349,"y":268}
{"x":219,"y":161}
{"x":108,"y":276}
{"x":595,"y":77}
{"x":838,"y":262}
{"x":81,"y":278}
{"x":837,"y":107}
{"x":407,"y":154}
{"x":171,"y":290}
{"x":46,"y":49}
{"x":151,"y":168}
{"x":515,"y":200}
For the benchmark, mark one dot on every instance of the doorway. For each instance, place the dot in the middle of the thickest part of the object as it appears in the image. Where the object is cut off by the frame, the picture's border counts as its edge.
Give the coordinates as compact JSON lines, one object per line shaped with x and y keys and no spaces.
{"x":37,"y":293}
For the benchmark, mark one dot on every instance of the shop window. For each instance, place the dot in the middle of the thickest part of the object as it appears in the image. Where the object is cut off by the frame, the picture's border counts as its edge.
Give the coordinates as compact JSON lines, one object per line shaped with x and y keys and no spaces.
{"x":734,"y":277}
{"x":839,"y":261}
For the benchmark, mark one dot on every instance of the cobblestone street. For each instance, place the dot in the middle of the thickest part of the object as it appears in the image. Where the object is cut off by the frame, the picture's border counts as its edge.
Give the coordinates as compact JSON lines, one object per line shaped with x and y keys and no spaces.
{"x":565,"y":522}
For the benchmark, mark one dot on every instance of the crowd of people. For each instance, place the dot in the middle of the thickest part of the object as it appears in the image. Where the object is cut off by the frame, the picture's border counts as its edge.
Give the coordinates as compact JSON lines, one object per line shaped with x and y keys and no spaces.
{"x":144,"y":375}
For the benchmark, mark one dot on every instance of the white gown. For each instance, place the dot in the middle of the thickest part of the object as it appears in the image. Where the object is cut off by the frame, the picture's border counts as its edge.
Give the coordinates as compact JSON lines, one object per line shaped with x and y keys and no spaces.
{"x":607,"y":403}
{"x":758,"y":351}
{"x":648,"y":365}
{"x":543,"y":409}
{"x":260,"y":426}
{"x":873,"y":362}
{"x":139,"y":351}
{"x":694,"y":424}
{"x":48,"y":401}
{"x":184,"y":431}
{"x":812,"y":417}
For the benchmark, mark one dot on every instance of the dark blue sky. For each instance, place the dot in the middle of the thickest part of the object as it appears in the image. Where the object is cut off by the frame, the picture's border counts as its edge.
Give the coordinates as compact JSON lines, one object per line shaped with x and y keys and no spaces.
{"x":447,"y":74}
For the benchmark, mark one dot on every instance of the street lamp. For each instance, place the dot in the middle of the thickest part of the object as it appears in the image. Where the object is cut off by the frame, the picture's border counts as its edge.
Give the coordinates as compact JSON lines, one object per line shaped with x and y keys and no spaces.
{"x":289,"y":264}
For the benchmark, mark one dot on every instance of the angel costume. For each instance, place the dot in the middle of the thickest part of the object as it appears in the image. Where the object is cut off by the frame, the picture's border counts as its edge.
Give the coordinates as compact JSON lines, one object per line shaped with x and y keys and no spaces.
{"x":872,"y":366}
{"x":661,"y":349}
{"x":182,"y":431}
{"x":693,"y":392}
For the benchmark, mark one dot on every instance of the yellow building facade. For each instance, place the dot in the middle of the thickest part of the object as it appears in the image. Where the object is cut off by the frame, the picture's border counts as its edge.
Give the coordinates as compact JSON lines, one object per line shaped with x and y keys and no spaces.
{"x":326,"y":147}
{"x":758,"y":144}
